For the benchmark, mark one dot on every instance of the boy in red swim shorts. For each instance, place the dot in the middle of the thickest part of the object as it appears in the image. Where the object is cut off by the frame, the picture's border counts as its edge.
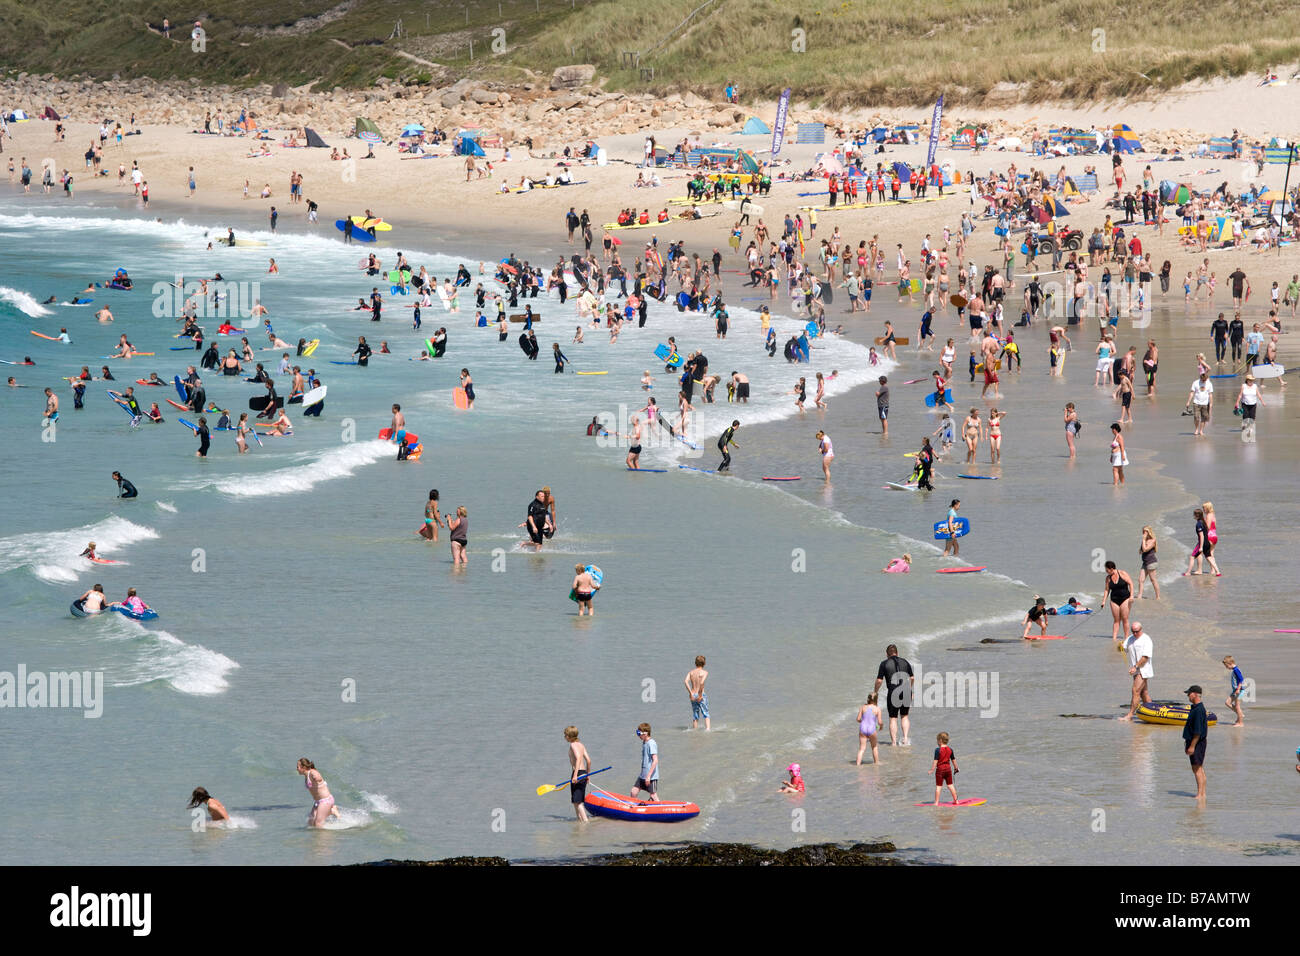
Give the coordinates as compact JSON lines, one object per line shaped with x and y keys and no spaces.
{"x":943,"y":767}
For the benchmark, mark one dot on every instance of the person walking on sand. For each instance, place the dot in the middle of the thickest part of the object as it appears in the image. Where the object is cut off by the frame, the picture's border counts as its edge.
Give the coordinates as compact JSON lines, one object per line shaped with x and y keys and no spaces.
{"x":869,"y":721}
{"x":1204,"y":548}
{"x":1118,"y":592}
{"x":898,"y":701}
{"x":950,"y":544}
{"x":1248,"y":402}
{"x":1072,"y":427}
{"x":1118,"y":454}
{"x":882,"y":405}
{"x":827,"y":453}
{"x":1139,"y":649}
{"x":1194,"y":734}
{"x":579,"y":764}
{"x":694,"y":682}
{"x":1236,"y":682}
{"x":726,"y":441}
{"x":1200,"y":402}
{"x":1147,"y":552}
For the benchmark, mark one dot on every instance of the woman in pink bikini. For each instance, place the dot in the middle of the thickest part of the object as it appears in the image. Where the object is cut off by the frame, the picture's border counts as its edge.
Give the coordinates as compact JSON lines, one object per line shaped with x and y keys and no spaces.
{"x":320,"y":793}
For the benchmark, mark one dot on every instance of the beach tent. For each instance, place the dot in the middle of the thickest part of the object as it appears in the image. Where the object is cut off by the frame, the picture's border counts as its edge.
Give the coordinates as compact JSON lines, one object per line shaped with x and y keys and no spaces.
{"x":468,"y":147}
{"x":830,"y":163}
{"x":313,"y":139}
{"x":755,"y":127}
{"x":17,"y":116}
{"x":964,"y":137}
{"x":1070,"y":191}
{"x":1279,"y":208}
{"x":904,"y":174}
{"x":367,"y":131}
{"x":49,"y":114}
{"x":1180,"y":195}
{"x":1123,"y":139}
{"x":1054,"y":207}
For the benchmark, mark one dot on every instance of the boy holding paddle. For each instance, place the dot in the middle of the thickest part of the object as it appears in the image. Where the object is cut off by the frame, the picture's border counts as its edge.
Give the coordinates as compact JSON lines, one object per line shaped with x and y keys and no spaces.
{"x":579,"y":764}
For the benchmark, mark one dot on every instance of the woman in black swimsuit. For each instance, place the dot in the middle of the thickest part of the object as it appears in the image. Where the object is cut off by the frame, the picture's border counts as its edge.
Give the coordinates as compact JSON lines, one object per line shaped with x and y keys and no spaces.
{"x":1119,"y":591}
{"x":231,"y":366}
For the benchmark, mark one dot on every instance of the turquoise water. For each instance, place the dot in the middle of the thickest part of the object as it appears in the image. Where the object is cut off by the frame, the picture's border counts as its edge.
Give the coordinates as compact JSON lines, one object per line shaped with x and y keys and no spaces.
{"x":301,"y":616}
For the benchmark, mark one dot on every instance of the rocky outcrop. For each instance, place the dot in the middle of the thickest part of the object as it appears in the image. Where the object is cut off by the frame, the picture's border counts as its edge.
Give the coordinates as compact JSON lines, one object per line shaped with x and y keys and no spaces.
{"x":572,"y":77}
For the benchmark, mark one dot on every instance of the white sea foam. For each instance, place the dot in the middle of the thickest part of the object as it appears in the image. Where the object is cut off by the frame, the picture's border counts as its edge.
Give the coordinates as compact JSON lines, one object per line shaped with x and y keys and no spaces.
{"x":166,"y":506}
{"x":379,"y":803}
{"x":23,"y":302}
{"x":236,"y":822}
{"x":188,"y":668}
{"x":54,"y":555}
{"x":340,"y":462}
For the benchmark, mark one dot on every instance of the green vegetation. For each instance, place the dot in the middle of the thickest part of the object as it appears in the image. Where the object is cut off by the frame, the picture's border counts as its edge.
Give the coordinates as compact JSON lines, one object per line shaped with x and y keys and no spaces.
{"x":851,"y":51}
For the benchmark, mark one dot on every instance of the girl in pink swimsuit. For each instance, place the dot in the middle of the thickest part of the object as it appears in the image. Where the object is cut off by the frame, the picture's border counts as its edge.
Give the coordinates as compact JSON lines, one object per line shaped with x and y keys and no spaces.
{"x":868,"y":725}
{"x":324,"y":803}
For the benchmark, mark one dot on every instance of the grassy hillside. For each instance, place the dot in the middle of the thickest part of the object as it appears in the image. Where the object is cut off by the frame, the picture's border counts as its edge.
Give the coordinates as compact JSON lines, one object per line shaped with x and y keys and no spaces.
{"x":855,"y":51}
{"x":858,"y":51}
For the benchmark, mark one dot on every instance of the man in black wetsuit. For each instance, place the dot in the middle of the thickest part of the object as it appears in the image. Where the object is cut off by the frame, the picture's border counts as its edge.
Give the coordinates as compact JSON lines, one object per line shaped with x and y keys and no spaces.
{"x":726,"y":440}
{"x":124,"y":487}
{"x":536,"y":520}
{"x":1236,"y":332}
{"x":205,"y":438}
{"x":1219,"y":332}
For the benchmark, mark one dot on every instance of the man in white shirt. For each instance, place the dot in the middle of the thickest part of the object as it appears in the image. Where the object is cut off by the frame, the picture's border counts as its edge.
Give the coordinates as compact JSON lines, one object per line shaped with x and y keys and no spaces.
{"x":1199,"y":400}
{"x":1139,"y":650}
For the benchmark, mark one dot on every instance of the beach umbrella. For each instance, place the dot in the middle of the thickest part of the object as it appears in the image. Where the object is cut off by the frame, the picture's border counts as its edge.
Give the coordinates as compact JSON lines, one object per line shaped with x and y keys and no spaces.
{"x":367,"y":131}
{"x":412,"y":128}
{"x":1180,"y":194}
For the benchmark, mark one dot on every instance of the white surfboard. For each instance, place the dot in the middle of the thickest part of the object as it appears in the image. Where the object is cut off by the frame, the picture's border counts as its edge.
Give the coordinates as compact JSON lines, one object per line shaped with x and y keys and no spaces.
{"x":1268,"y":371}
{"x":312,"y":396}
{"x":753,"y":208}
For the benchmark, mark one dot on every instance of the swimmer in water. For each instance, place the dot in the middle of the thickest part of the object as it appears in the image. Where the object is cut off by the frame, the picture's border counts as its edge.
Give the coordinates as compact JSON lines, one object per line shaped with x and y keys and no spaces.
{"x":647,"y":382}
{"x":432,"y":519}
{"x":898,"y":565}
{"x":323,"y":805}
{"x":89,"y":552}
{"x":282,"y":425}
{"x":216,"y":810}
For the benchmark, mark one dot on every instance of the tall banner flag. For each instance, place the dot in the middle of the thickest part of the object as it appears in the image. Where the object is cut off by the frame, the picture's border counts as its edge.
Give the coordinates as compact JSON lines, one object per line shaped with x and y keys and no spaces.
{"x":778,"y":128}
{"x":934,"y":131}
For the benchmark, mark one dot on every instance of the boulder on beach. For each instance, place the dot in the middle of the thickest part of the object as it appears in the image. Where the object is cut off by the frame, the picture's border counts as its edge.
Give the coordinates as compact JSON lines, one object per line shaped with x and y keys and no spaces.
{"x":572,"y":77}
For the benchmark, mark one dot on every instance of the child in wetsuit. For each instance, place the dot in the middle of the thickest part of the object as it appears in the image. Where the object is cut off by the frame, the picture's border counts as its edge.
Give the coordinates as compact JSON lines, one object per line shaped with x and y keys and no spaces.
{"x":943,"y":767}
